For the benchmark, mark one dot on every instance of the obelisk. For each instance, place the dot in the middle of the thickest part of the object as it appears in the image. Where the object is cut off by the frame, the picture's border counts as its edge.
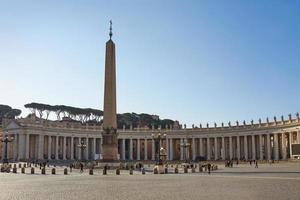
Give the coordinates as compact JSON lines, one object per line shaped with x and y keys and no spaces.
{"x":109,"y":133}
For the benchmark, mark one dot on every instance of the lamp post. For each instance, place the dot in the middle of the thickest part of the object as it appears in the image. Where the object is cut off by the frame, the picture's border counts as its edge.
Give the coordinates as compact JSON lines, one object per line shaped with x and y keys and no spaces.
{"x":157,"y":141}
{"x":81,"y":146}
{"x":185,"y":145}
{"x":6,"y":140}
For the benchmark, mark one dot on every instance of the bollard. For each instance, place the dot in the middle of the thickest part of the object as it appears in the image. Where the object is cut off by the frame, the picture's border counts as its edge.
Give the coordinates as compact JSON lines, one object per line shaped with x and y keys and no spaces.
{"x":43,"y":170}
{"x":143,"y":171}
{"x":185,"y":170}
{"x":53,"y":171}
{"x":32,"y":170}
{"x":117,"y":171}
{"x":91,"y":172}
{"x":23,"y":170}
{"x":155,"y":170}
{"x":166,"y":170}
{"x":66,"y":171}
{"x":15,"y":170}
{"x":176,"y":170}
{"x":8,"y":169}
{"x":193,"y":170}
{"x":104,"y":171}
{"x":131,"y":172}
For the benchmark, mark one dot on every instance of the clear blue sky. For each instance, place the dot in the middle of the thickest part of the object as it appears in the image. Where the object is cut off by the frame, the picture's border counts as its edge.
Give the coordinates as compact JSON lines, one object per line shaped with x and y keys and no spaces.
{"x":192,"y":61}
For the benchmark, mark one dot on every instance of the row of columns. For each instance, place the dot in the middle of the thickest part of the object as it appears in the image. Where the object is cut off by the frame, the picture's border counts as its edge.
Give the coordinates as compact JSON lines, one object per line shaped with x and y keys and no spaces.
{"x":256,"y":147}
{"x":30,"y":146}
{"x":267,"y":146}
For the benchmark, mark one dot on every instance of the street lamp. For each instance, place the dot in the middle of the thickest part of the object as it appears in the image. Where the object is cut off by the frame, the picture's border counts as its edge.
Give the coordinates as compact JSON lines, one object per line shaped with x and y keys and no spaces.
{"x":81,"y":146}
{"x":157,"y":141}
{"x":185,"y":145}
{"x":6,"y":140}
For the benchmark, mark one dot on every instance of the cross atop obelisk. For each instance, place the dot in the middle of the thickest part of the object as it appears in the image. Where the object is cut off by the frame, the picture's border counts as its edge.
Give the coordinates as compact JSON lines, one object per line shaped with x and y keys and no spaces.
{"x":109,"y":134}
{"x":110,"y":29}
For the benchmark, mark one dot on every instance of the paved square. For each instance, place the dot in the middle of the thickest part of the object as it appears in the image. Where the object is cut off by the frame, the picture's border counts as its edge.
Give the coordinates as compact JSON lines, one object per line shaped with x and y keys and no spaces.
{"x":276,"y":181}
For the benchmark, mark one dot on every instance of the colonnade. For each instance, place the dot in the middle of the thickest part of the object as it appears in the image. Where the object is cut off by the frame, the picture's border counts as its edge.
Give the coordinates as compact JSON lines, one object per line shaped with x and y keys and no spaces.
{"x":265,"y":146}
{"x":52,"y":147}
{"x":242,"y":147}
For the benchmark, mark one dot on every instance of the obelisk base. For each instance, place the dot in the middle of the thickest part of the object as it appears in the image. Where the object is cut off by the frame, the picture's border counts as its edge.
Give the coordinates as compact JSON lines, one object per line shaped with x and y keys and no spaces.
{"x":109,"y":145}
{"x":109,"y":152}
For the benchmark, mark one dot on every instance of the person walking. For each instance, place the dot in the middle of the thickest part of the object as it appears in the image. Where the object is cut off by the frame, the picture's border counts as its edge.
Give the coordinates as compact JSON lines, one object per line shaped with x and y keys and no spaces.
{"x":71,"y":166}
{"x":208,"y":167}
{"x":256,"y":164}
{"x":81,"y":167}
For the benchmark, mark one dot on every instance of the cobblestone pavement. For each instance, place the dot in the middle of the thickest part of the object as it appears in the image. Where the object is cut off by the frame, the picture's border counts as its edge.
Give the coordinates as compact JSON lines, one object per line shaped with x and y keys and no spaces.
{"x":276,"y":181}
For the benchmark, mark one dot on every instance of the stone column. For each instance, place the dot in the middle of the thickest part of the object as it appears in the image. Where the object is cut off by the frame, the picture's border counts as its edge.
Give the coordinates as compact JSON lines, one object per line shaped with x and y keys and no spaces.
{"x":216,"y":148}
{"x":21,"y":146}
{"x":290,"y":141}
{"x":64,"y":147}
{"x":238,"y":148}
{"x":223,"y":148}
{"x":245,"y":147}
{"x":145,"y":149}
{"x":49,"y":147}
{"x":79,"y":149}
{"x":27,"y":146}
{"x":261,"y":155}
{"x":201,"y":146}
{"x":94,"y":149}
{"x":283,"y":144}
{"x":15,"y":147}
{"x":298,"y":137}
{"x":87,"y":148}
{"x":208,"y":149}
{"x":253,"y":148}
{"x":181,"y":149}
{"x":268,"y":147}
{"x":153,"y":150}
{"x":8,"y":148}
{"x":101,"y":143}
{"x":230,"y":147}
{"x":56,"y":147}
{"x":276,"y":153}
{"x":167,"y":149}
{"x":72,"y":148}
{"x":130,"y":150}
{"x":40,"y":147}
{"x":193,"y":149}
{"x":123,"y":149}
{"x":138,"y":149}
{"x":3,"y":148}
{"x":171,"y":149}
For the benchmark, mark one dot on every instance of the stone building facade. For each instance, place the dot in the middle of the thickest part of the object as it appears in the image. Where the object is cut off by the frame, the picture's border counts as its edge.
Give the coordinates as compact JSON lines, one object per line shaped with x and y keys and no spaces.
{"x":39,"y":139}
